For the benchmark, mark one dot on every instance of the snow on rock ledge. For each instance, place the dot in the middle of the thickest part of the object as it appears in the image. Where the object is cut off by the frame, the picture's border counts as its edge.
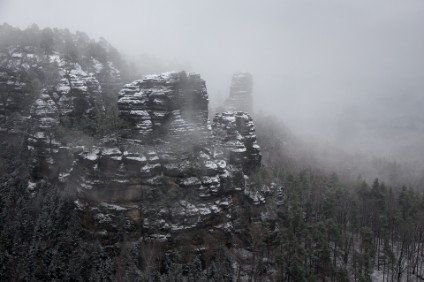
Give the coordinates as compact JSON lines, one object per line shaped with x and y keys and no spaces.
{"x":169,"y":170}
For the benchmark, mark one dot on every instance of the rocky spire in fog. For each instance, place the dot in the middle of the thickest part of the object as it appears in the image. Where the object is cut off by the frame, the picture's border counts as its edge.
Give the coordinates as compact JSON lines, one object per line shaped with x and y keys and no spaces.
{"x":170,"y":170}
{"x":240,"y":93}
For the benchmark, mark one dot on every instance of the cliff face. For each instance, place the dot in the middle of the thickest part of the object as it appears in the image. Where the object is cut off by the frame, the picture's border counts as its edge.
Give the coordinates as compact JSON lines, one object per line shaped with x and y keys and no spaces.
{"x":240,"y":93}
{"x":170,"y":105}
{"x":235,"y":132}
{"x":163,"y":171}
{"x":168,"y":171}
{"x":73,"y":98}
{"x":27,"y":75}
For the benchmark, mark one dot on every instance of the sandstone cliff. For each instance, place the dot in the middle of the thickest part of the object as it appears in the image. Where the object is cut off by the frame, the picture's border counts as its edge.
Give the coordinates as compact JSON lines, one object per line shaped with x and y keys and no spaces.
{"x":240,"y":98}
{"x":168,"y":171}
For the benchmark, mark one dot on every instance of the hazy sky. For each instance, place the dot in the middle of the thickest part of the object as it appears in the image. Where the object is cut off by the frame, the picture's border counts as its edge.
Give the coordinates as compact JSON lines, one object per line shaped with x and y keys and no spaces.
{"x":317,"y":64}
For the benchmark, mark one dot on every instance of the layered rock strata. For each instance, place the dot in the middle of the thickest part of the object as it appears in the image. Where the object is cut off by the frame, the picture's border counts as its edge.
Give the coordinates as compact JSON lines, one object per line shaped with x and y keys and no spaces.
{"x":75,"y":96}
{"x":240,"y":98}
{"x":168,"y":172}
{"x":74,"y":93}
{"x":235,"y":132}
{"x":41,"y":138}
{"x":31,"y":115}
{"x":165,"y":173}
{"x":166,"y":106}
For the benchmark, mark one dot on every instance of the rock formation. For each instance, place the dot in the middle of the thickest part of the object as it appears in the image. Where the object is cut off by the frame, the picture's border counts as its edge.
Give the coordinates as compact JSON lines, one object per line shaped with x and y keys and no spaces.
{"x":235,"y":132}
{"x":74,"y":95}
{"x":41,"y":138}
{"x":172,"y":103}
{"x":166,"y":172}
{"x":31,"y":115}
{"x":240,"y":93}
{"x":161,"y":173}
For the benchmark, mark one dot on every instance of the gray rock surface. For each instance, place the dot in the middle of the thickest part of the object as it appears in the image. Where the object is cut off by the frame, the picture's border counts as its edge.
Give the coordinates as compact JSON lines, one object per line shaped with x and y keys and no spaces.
{"x":240,"y":98}
{"x":168,"y":171}
{"x":165,"y":106}
{"x":31,"y":110}
{"x":235,"y":132}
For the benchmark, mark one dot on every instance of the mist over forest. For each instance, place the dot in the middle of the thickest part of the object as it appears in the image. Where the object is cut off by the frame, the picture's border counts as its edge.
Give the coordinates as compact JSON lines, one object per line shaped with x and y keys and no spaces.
{"x":212,"y":140}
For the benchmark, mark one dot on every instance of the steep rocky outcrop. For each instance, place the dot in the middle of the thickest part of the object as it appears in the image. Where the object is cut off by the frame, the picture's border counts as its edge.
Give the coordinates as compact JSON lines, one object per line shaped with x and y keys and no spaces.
{"x":167,"y":171}
{"x":77,"y":95}
{"x":240,"y":93}
{"x":170,"y":105}
{"x":235,"y":132}
{"x":41,"y":140}
{"x":41,"y":92}
{"x":77,"y":92}
{"x":28,"y":75}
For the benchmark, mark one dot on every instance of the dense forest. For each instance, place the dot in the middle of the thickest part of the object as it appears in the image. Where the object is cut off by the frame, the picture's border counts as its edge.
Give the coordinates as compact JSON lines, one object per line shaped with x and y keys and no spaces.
{"x":313,"y":226}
